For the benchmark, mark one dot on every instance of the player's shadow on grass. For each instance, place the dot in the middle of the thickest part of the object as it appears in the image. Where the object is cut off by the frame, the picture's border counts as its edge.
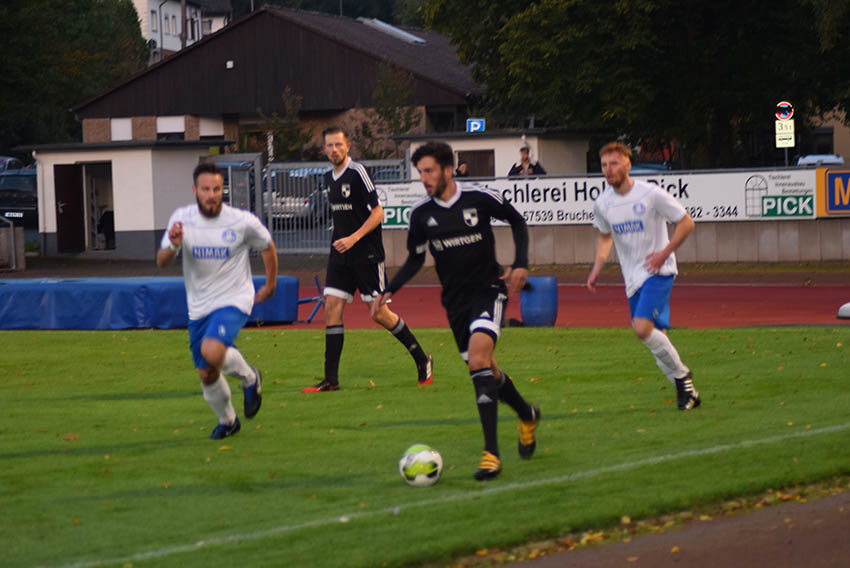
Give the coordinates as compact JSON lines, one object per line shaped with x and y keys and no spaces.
{"x":505,"y":416}
{"x":100,"y":450}
{"x":136,"y":395}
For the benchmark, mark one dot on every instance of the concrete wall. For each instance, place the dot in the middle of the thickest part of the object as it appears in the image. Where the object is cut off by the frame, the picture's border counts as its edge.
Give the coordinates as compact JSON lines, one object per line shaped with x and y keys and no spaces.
{"x":746,"y":241}
{"x":557,"y":156}
{"x":140,"y":214}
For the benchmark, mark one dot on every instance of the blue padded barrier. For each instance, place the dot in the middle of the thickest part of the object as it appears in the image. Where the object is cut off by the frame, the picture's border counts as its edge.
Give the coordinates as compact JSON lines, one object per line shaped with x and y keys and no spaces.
{"x":120,"y":303}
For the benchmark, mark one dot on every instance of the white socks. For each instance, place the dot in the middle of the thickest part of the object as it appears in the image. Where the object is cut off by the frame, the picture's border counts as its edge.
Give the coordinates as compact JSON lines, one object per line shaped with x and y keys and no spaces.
{"x":217,"y":396}
{"x":666,"y":356}
{"x":236,"y":366}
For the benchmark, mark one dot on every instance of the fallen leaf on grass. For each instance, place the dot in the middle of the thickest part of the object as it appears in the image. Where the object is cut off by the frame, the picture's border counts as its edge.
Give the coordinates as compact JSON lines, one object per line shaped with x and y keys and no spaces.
{"x":371,"y":384}
{"x":589,"y":537}
{"x":70,"y":437}
{"x":225,"y":448}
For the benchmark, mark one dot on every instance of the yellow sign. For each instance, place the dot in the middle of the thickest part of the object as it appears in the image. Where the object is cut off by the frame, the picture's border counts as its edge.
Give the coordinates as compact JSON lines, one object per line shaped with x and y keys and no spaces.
{"x":785,"y":133}
{"x":833,"y":192}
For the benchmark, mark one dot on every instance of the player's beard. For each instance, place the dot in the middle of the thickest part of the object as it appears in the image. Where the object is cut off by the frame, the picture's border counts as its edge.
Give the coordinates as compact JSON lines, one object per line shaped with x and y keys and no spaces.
{"x":336,"y":160}
{"x":617,"y":179}
{"x":209,"y":212}
{"x":441,"y":186}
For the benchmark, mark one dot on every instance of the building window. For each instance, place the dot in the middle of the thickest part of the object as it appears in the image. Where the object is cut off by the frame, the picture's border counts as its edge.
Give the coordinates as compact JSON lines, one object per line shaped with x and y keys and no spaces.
{"x":153,"y":21}
{"x":166,"y":25}
{"x":174,"y":29}
{"x":170,"y":128}
{"x":121,"y":129}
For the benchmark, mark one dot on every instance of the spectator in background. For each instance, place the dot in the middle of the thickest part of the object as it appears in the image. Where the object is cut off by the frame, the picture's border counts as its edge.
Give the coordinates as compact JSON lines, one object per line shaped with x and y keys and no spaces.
{"x":526,"y":167}
{"x":462,"y":170}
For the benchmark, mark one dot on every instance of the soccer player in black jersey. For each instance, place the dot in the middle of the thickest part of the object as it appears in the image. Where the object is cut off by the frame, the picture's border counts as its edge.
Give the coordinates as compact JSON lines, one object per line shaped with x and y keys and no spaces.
{"x":454,"y":224}
{"x":356,"y":261}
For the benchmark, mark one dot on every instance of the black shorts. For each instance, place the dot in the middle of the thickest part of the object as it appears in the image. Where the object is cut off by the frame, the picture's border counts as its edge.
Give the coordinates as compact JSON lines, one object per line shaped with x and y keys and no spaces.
{"x":481,"y":312}
{"x":342,"y":280}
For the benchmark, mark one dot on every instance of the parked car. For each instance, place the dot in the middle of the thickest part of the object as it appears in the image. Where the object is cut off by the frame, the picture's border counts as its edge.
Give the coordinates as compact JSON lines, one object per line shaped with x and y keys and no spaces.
{"x":819,"y":160}
{"x":10,"y":163}
{"x":296,"y":197}
{"x":19,"y":197}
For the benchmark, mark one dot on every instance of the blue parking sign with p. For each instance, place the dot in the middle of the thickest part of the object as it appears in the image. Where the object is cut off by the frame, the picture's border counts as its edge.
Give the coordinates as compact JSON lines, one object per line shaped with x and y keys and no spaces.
{"x":475,"y":125}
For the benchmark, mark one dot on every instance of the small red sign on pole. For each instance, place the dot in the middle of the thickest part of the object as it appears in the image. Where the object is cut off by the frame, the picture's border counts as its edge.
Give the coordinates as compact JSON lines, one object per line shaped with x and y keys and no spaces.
{"x":784,"y":110}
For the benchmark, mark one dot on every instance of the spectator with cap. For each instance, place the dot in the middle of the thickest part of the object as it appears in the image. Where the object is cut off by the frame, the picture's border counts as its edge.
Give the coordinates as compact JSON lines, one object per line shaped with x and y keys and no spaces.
{"x":526,"y":167}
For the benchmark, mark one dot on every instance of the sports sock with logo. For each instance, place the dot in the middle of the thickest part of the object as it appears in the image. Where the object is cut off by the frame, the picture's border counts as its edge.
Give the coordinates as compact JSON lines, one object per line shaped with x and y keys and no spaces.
{"x":334,"y":336}
{"x":406,"y":337}
{"x":236,"y":366}
{"x":510,"y":396}
{"x":487,"y":398}
{"x":217,"y":396}
{"x":666,"y":356}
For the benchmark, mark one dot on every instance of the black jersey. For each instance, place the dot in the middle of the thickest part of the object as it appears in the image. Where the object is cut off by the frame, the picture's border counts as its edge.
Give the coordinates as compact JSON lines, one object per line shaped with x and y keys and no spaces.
{"x":352,"y":197}
{"x":460,"y":237}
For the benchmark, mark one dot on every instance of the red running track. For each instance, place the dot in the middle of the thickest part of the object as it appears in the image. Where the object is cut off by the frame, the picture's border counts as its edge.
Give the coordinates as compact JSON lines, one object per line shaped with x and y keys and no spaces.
{"x":692,"y":306}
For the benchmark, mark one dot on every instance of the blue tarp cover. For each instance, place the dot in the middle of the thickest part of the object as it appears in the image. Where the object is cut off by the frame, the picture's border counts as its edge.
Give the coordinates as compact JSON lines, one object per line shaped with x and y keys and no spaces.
{"x":120,"y":303}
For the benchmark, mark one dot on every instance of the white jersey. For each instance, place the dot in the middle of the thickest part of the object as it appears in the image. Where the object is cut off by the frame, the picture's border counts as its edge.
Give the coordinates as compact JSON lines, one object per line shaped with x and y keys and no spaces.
{"x":216,"y":266}
{"x":638,"y":221}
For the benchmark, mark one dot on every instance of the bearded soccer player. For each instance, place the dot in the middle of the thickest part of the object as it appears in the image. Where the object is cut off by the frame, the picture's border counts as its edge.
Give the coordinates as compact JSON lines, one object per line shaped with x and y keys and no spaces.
{"x":356,"y":261}
{"x":454,"y":224}
{"x":632,"y":216}
{"x":216,"y":240}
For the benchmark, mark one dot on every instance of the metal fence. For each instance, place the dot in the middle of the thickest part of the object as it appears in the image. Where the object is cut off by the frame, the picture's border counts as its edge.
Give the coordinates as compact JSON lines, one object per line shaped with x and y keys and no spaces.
{"x":294,"y":203}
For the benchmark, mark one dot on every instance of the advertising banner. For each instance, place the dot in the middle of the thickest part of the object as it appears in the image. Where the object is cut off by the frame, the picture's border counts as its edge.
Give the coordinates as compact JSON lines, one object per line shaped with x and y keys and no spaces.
{"x":833,"y":192}
{"x":716,"y":196}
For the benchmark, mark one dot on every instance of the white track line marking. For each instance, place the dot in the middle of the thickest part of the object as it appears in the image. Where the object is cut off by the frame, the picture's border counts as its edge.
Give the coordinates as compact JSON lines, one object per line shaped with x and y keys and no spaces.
{"x":467,"y":495}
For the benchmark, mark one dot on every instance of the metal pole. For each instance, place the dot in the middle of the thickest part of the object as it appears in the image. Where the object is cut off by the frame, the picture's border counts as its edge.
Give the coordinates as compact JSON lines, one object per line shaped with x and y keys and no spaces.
{"x":14,"y":257}
{"x":786,"y":157}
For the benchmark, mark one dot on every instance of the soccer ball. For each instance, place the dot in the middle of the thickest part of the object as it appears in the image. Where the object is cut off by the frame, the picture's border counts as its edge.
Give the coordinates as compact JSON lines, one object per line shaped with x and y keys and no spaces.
{"x":420,"y":465}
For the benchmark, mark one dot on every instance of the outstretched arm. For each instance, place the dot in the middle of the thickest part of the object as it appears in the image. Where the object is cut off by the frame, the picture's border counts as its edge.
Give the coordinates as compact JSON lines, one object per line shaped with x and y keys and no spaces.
{"x":604,"y":242}
{"x":267,"y":290}
{"x":655,"y":260}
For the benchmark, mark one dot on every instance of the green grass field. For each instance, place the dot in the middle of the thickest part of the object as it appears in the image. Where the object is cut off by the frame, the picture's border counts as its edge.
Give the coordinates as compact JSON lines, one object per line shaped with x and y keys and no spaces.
{"x":105,"y":460}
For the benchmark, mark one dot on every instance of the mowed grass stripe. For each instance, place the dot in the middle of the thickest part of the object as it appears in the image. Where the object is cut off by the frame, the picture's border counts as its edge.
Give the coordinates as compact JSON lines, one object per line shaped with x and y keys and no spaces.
{"x":104,"y":451}
{"x":490,"y":490}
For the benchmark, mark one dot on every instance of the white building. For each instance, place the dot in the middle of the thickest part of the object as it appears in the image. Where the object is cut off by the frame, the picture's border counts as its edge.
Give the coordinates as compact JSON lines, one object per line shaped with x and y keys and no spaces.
{"x":161,"y":22}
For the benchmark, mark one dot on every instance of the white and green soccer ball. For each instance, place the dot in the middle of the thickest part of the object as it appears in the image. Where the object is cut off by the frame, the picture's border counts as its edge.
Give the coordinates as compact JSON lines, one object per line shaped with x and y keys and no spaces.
{"x":420,"y":465}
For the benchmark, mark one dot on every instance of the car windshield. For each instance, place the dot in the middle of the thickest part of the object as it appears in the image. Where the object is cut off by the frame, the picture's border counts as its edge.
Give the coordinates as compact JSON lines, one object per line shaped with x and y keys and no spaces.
{"x":20,"y":183}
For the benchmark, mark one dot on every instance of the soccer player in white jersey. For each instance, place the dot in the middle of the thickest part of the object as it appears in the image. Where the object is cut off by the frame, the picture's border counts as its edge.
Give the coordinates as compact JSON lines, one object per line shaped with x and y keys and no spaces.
{"x":216,"y":240}
{"x":632,"y":216}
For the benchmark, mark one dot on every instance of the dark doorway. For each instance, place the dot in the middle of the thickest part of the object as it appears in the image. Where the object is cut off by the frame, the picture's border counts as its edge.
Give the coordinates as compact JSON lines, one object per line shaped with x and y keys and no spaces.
{"x":70,"y":217}
{"x":481,"y":163}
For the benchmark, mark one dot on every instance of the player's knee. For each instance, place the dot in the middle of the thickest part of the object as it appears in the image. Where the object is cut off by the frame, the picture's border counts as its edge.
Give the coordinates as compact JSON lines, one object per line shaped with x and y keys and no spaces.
{"x":213,"y":352}
{"x":642,"y":328}
{"x":208,"y":375}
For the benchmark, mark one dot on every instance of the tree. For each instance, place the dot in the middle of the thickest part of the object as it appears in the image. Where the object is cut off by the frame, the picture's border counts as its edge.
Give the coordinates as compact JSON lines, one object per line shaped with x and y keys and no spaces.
{"x":707,"y":74}
{"x":288,"y":134}
{"x":57,"y":54}
{"x":391,"y":113}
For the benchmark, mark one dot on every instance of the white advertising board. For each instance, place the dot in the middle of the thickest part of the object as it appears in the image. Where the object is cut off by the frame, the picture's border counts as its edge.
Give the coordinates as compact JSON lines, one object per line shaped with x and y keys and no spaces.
{"x":721,"y":196}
